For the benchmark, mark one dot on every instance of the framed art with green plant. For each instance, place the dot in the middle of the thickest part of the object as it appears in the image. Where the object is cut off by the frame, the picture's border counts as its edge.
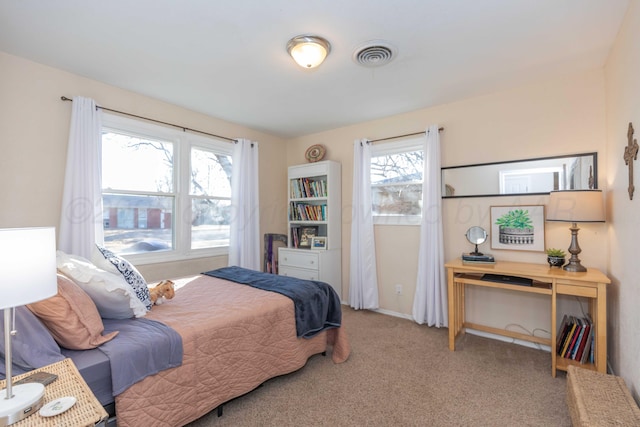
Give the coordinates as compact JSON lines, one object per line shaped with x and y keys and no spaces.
{"x":519,"y":228}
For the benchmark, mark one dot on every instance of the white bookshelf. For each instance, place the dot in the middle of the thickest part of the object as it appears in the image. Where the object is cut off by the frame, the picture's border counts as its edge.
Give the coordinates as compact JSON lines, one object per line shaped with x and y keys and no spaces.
{"x":315,"y":204}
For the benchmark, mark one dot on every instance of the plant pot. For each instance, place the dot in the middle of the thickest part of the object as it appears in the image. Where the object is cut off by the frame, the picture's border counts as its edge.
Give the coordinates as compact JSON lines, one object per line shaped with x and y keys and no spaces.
{"x":555,"y":261}
{"x":515,"y":236}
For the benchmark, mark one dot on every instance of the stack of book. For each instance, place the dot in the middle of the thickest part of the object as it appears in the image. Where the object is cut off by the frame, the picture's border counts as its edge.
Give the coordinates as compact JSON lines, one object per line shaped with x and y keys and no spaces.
{"x":575,"y":339}
{"x":478,"y":258}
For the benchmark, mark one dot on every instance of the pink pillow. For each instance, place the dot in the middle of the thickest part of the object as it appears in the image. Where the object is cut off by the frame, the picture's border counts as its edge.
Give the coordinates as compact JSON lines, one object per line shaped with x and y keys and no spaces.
{"x":72,"y":317}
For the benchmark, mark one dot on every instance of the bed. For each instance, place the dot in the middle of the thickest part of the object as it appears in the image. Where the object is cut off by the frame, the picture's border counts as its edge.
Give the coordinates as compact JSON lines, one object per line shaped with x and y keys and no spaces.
{"x":233,"y":338}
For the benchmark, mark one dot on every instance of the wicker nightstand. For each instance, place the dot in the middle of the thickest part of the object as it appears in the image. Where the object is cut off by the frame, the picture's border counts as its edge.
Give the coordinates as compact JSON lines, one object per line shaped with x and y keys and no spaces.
{"x":86,"y":412}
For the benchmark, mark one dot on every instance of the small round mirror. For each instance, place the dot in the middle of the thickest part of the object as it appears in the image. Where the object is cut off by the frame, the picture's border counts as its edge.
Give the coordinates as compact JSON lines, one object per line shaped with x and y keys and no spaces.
{"x":476,"y":235}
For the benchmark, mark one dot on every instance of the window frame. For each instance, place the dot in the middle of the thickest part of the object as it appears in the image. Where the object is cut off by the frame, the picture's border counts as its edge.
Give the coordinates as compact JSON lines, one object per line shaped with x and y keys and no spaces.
{"x":183,"y":143}
{"x":414,"y":143}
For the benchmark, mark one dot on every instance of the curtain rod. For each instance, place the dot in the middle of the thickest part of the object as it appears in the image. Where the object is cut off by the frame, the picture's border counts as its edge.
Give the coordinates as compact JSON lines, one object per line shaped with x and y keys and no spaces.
{"x":402,"y":136}
{"x":184,"y":129}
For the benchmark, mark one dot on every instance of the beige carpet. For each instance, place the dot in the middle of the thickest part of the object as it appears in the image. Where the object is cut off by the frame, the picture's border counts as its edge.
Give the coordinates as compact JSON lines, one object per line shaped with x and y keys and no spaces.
{"x":403,"y":374}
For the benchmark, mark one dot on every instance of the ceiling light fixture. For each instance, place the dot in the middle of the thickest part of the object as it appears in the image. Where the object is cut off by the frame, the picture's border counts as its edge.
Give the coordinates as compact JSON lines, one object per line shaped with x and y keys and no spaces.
{"x":308,"y":51}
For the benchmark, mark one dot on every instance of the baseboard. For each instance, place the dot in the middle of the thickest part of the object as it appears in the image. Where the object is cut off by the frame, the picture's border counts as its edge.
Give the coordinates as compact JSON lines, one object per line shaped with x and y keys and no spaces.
{"x":393,"y":313}
{"x":475,"y":332}
{"x":509,"y":340}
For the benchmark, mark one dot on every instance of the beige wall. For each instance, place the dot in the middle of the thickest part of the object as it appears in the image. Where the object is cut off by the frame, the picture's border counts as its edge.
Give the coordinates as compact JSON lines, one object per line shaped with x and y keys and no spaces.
{"x":548,"y":118}
{"x":623,"y":214}
{"x":34,"y":129}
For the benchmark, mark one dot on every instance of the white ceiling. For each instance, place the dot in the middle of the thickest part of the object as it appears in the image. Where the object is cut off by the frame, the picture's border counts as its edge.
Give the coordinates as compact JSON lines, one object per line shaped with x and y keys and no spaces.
{"x":228,"y":59}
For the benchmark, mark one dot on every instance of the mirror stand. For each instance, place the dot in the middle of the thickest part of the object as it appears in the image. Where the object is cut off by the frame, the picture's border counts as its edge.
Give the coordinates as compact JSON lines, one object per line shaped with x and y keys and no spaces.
{"x":476,"y":251}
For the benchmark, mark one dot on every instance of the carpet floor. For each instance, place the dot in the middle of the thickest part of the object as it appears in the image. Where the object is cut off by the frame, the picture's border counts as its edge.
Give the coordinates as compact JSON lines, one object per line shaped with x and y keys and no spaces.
{"x":403,"y":374}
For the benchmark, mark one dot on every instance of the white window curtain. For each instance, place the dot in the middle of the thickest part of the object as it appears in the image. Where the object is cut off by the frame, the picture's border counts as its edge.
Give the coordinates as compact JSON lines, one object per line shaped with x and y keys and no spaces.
{"x":81,"y":216}
{"x":363,"y":279}
{"x":244,"y":239}
{"x":430,"y":301}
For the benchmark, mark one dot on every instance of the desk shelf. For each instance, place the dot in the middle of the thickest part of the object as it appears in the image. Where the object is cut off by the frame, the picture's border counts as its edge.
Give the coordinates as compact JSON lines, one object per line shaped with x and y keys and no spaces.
{"x":538,"y":287}
{"x":546,"y":281}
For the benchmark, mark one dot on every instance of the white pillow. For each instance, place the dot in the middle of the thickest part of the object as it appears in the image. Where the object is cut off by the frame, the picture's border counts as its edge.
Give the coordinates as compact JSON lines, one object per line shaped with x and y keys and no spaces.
{"x":108,"y":261}
{"x":112,"y":295}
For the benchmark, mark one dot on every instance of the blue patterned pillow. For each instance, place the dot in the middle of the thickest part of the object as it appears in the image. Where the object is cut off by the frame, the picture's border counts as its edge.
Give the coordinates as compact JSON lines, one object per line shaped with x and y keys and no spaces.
{"x":109,"y":261}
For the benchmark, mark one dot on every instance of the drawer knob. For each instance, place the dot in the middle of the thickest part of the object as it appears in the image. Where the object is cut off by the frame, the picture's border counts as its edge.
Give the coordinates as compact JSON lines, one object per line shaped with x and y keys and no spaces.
{"x":311,"y":262}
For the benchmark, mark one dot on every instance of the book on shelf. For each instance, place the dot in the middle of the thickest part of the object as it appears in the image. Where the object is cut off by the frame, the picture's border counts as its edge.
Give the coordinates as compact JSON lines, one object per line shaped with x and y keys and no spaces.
{"x":295,"y":236}
{"x":575,"y":338}
{"x":583,"y":342}
{"x":569,"y":338}
{"x":587,"y":352}
{"x":301,"y":188}
{"x":307,"y":212}
{"x":562,"y":332}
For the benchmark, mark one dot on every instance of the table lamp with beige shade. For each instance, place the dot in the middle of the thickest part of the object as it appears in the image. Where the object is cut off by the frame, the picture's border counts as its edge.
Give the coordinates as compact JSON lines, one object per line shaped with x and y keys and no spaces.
{"x":575,"y":206}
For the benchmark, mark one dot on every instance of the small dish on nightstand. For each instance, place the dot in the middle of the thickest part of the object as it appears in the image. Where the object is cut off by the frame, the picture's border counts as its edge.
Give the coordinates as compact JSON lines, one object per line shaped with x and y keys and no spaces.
{"x":57,"y":406}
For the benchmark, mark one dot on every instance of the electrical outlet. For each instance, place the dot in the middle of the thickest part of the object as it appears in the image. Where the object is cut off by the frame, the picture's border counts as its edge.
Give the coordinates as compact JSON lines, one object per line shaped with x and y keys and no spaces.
{"x":398,"y":289}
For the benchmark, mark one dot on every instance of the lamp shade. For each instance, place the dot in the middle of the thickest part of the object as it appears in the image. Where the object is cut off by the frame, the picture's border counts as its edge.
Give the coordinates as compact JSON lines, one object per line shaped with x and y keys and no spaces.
{"x":27,"y":265}
{"x":308,"y":51}
{"x":576,"y":206}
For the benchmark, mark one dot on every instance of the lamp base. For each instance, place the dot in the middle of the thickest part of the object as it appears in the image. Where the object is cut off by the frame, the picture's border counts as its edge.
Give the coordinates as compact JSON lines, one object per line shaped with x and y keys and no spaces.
{"x":27,"y":399}
{"x":574,"y":262}
{"x":574,"y":266}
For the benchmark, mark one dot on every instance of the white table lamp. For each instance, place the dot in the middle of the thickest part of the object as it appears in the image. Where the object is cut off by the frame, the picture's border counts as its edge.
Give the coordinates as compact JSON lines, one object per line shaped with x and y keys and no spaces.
{"x":575,"y":206}
{"x":27,"y":274}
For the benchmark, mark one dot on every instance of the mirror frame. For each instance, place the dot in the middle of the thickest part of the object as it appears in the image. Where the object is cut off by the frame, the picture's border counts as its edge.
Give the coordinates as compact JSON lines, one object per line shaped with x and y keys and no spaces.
{"x":478,"y":241}
{"x":442,"y":171}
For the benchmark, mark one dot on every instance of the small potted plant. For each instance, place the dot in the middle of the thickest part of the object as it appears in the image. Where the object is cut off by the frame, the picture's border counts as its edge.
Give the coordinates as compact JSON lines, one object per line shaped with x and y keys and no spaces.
{"x":555,"y":257}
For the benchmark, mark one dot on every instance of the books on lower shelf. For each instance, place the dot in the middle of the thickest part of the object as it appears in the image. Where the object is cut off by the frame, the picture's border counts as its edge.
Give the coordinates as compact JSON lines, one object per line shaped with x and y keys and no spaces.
{"x":575,"y":339}
{"x":301,"y":236}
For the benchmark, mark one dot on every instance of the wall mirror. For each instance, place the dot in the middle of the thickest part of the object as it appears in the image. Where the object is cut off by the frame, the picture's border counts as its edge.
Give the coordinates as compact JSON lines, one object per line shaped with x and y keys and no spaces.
{"x":518,"y":177}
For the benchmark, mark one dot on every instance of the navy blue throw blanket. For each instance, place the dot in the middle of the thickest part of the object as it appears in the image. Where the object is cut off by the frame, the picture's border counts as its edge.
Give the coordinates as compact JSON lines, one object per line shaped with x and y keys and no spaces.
{"x":317,"y":306}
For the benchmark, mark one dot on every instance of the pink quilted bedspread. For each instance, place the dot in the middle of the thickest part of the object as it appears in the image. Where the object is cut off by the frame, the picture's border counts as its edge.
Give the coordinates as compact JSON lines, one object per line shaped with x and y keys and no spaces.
{"x":235,"y":337}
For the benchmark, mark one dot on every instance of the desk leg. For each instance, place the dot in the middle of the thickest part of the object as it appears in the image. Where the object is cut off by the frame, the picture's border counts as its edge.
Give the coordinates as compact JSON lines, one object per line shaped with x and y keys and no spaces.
{"x":461,"y":308}
{"x":554,"y":360}
{"x":600,"y":319}
{"x":453,"y":320}
{"x":455,"y":294}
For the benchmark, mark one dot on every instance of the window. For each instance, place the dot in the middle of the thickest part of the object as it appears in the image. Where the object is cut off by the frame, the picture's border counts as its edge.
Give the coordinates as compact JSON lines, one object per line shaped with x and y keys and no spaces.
{"x":166,"y":193}
{"x":396,"y":182}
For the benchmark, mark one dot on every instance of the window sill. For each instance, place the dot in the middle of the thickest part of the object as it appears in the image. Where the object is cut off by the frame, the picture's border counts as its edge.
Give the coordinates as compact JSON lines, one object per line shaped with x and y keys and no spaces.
{"x":170,"y":256}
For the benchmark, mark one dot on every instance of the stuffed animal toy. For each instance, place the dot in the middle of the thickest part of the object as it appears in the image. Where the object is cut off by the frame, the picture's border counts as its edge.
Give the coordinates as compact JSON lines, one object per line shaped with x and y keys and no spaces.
{"x":161,"y":292}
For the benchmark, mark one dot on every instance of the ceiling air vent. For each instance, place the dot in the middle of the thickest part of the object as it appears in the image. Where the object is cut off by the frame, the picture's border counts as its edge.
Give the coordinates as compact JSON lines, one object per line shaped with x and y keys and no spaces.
{"x":374,"y":53}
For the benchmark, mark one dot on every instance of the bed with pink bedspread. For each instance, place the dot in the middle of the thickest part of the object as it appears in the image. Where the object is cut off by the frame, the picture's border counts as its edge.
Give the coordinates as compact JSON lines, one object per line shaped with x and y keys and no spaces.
{"x":235,"y":337}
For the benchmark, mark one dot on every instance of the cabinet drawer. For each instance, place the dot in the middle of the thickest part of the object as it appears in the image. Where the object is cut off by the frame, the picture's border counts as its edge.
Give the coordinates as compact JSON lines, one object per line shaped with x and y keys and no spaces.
{"x":299,"y":259}
{"x":300,"y":273}
{"x":581,"y":291}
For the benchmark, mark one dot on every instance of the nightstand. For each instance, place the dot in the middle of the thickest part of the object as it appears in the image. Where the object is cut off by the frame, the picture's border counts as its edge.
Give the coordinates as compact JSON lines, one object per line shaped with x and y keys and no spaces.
{"x":86,"y":412}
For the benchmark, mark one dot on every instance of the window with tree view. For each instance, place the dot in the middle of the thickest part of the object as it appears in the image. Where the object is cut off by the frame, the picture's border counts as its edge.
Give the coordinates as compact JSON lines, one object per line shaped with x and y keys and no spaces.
{"x":165,"y":193}
{"x":396,"y":182}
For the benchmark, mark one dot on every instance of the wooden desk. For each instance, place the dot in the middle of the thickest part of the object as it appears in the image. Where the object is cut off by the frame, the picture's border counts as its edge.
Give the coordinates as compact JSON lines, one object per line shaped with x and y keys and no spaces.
{"x":86,"y":412}
{"x":547,"y":281}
